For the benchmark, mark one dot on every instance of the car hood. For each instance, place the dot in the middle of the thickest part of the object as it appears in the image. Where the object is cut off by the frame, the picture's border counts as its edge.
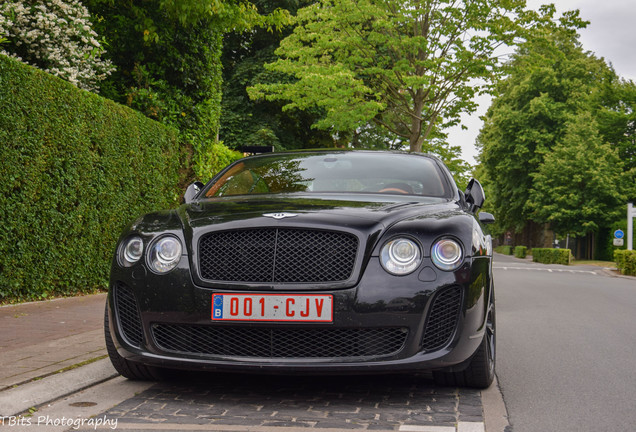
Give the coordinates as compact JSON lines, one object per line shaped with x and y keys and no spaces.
{"x":362,"y":212}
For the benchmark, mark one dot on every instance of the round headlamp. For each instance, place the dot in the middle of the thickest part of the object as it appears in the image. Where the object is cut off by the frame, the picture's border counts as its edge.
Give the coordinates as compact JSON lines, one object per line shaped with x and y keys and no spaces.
{"x":131,"y":251}
{"x":164,"y":254}
{"x":447,"y":254}
{"x":400,"y":256}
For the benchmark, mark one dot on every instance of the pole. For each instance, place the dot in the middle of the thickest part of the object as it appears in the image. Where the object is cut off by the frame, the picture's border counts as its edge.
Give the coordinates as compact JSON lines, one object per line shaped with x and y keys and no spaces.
{"x":630,"y":226}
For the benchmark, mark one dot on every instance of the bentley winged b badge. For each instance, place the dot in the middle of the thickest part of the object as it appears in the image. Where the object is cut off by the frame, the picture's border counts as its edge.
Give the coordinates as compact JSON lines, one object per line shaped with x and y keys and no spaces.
{"x":280,"y":215}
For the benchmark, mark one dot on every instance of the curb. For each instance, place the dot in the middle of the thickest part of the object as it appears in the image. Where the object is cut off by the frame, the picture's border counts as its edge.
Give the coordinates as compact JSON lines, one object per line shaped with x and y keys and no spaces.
{"x":495,"y":411}
{"x":19,"y":399}
{"x":611,"y":272}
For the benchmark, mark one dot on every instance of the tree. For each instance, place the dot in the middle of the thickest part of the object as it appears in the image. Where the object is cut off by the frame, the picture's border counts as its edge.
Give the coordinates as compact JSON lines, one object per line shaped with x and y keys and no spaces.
{"x":166,"y":70}
{"x":411,"y":67}
{"x":579,"y":187}
{"x":168,"y":57}
{"x":259,"y":122}
{"x":55,"y":36}
{"x":549,"y":82}
{"x":617,"y":125}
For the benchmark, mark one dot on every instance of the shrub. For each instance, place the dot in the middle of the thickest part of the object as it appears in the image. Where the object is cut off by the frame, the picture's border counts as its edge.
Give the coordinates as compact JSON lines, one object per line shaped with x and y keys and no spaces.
{"x":75,"y":169}
{"x":208,"y":161}
{"x":55,"y":36}
{"x":506,"y":250}
{"x":625,"y":261}
{"x":521,"y":251}
{"x":551,"y":256}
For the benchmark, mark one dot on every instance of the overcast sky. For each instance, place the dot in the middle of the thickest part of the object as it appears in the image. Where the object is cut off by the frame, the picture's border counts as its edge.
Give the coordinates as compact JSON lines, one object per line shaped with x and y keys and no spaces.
{"x":611,"y":34}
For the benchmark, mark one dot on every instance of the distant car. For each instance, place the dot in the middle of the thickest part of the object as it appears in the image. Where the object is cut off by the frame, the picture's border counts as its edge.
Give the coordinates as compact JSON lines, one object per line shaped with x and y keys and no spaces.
{"x":310,"y":262}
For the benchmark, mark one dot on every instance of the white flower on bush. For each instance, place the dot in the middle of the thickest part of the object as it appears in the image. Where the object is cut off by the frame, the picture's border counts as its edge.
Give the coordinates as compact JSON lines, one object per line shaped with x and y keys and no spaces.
{"x":55,"y":36}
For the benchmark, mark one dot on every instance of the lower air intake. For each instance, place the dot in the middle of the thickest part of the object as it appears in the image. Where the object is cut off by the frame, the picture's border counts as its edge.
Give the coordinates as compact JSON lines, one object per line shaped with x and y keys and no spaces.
{"x":279,"y":343}
{"x":442,"y":319}
{"x":128,"y":314}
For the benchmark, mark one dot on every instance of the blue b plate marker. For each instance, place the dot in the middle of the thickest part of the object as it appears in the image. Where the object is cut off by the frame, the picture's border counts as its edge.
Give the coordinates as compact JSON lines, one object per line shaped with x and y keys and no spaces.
{"x":217,"y":306}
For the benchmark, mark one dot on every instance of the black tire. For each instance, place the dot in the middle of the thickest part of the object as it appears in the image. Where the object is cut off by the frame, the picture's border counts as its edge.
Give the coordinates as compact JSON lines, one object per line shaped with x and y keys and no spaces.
{"x":126,"y":368}
{"x":480,"y":372}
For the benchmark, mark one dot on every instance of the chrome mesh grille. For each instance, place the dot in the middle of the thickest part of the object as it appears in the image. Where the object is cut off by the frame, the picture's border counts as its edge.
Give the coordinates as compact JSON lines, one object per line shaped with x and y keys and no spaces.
{"x":128,"y":314}
{"x":279,"y":343}
{"x":273,"y":255}
{"x":442,"y":319}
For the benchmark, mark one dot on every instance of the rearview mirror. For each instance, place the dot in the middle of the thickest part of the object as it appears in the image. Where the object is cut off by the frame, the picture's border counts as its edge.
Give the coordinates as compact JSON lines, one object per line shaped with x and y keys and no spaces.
{"x":474,"y":195}
{"x":192,"y":191}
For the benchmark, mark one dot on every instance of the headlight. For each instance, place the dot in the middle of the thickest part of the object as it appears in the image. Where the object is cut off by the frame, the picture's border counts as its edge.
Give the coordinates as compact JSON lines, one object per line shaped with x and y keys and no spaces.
{"x":131,"y":251}
{"x":447,"y":254}
{"x":164,"y":254}
{"x":400,"y":256}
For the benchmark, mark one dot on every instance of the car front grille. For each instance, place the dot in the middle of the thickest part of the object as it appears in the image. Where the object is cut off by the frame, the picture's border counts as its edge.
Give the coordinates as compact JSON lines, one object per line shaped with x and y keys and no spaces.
{"x":271,"y":255}
{"x":279,"y":343}
{"x":442,"y":319}
{"x":128,"y":314}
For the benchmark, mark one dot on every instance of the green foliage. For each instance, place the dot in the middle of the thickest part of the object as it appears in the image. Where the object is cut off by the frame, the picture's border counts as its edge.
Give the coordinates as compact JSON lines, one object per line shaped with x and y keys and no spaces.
{"x":259,"y":122}
{"x":626,"y":261}
{"x":169,"y":71}
{"x":213,"y":160}
{"x":168,"y":68}
{"x":617,"y":125}
{"x":506,"y":250}
{"x":605,"y":249}
{"x":168,"y":58}
{"x":226,"y":15}
{"x":246,"y":121}
{"x":579,"y":187}
{"x":521,"y":251}
{"x":556,"y":99}
{"x":408,"y":66}
{"x":75,"y":169}
{"x":551,"y":256}
{"x":55,"y":36}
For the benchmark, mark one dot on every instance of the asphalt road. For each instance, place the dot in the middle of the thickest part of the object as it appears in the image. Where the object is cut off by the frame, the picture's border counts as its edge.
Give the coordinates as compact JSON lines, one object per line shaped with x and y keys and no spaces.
{"x":566,"y":357}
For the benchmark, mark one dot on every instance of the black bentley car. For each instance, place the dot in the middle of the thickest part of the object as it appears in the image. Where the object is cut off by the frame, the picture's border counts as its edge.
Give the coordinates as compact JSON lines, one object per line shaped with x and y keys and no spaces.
{"x":310,"y":262}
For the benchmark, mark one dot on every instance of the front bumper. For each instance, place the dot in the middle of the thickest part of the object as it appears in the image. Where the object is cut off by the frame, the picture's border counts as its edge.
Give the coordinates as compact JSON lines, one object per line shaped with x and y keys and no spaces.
{"x":143,"y":305}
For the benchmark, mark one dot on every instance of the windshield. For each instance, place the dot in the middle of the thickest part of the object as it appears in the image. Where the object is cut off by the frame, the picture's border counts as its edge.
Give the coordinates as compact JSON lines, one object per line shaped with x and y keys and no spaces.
{"x":346,"y":172}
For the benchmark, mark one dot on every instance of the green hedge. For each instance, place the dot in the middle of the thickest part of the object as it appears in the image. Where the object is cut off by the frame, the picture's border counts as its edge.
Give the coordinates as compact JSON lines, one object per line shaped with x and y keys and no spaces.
{"x":625,"y":261}
{"x":506,"y":250}
{"x":74,"y":169}
{"x":551,"y":256}
{"x":521,"y":251}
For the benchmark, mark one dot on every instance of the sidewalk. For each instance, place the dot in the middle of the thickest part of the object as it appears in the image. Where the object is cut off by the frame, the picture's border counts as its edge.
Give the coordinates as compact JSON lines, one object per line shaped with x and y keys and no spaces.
{"x":42,"y":338}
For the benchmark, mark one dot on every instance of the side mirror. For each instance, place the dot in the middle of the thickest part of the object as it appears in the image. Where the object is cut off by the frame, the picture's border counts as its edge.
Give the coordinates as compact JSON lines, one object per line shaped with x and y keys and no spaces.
{"x":486,"y":218}
{"x":192,"y":191}
{"x":475,"y":195}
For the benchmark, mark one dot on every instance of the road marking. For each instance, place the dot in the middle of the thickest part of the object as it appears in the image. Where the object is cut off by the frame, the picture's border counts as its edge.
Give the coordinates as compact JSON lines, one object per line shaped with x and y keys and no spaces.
{"x":471,"y":427}
{"x":417,"y":428}
{"x":461,"y":427}
{"x":546,"y":270}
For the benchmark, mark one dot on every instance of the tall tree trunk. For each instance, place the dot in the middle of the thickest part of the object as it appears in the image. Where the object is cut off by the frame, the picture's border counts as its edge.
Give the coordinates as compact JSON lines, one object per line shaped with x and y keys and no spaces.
{"x":415,"y":145}
{"x":416,"y":139}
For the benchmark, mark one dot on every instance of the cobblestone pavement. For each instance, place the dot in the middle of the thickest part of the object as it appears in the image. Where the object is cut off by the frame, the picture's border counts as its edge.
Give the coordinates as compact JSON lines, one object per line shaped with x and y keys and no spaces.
{"x":344,"y":403}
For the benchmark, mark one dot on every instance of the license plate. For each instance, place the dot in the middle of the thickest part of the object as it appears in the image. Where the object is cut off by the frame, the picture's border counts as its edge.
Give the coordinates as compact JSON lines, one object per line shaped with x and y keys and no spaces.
{"x":273,"y":307}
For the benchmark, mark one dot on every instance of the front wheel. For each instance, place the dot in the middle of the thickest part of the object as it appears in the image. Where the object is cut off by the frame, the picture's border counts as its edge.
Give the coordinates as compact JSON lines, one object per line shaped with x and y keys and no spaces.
{"x":480,"y":372}
{"x":126,"y":368}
